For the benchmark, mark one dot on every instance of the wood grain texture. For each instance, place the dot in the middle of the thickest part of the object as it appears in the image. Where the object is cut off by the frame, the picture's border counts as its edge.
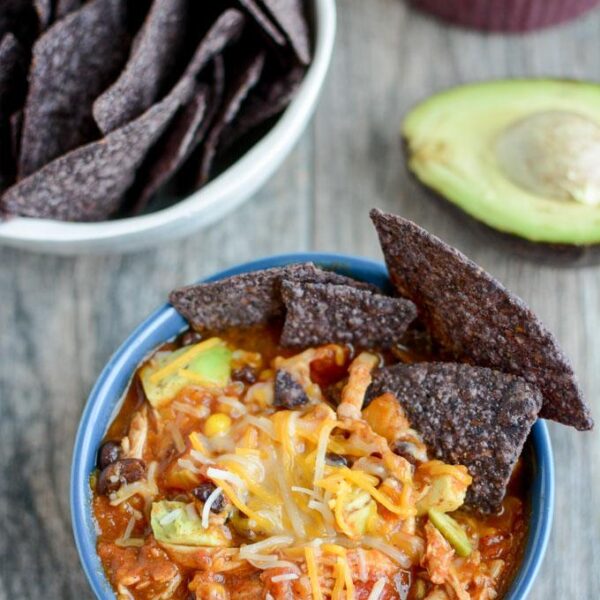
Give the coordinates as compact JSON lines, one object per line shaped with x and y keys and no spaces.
{"x":61,"y":318}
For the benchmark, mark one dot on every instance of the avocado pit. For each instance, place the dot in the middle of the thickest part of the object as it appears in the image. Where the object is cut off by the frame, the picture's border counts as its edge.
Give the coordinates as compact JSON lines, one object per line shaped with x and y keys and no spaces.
{"x":553,"y":154}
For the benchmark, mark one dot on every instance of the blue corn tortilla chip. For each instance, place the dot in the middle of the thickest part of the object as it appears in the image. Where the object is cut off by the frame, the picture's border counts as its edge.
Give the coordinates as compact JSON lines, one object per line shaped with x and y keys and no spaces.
{"x":268,"y":99}
{"x":250,"y":74}
{"x":176,"y":145}
{"x":155,"y":52}
{"x":65,"y":7}
{"x":247,"y":299}
{"x":162,"y":165}
{"x":44,"y":10}
{"x":88,"y":184}
{"x":318,"y":313}
{"x":475,"y":319}
{"x":467,"y":415}
{"x":20,"y":18}
{"x":13,"y":84}
{"x":13,"y":71}
{"x":73,"y":61}
{"x":261,"y":18}
{"x":289,"y":16}
{"x":16,"y":124}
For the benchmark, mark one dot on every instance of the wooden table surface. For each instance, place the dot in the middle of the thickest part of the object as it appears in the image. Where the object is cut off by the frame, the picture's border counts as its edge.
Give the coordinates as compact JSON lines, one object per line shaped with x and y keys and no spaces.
{"x":61,"y":318}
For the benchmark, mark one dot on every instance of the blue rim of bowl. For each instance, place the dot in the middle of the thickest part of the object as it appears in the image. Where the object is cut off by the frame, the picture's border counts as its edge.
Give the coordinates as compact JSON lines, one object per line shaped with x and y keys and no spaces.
{"x":164,"y":324}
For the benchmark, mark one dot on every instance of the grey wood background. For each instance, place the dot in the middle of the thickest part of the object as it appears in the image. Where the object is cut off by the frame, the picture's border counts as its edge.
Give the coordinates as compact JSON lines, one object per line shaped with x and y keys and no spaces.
{"x":60,"y":319}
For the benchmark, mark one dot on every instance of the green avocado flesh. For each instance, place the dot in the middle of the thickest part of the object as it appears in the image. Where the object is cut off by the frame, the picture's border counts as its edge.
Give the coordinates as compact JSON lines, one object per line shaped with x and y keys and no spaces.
{"x":521,"y":156}
{"x":173,"y":524}
{"x":213,"y":364}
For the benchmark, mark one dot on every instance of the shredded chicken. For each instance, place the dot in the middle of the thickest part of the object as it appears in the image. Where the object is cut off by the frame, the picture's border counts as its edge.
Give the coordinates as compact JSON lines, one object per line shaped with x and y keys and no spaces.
{"x":149,"y":568}
{"x":438,"y":560}
{"x":437,"y":594}
{"x":359,"y":379}
{"x":134,"y":443}
{"x":438,"y":555}
{"x":288,"y":589}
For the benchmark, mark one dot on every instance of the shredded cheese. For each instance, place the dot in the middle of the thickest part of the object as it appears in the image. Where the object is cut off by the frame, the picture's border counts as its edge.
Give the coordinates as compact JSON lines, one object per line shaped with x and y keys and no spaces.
{"x":188,"y":465}
{"x":362,"y":481}
{"x":219,"y":474}
{"x":214,"y":495}
{"x":437,"y":467}
{"x":198,"y":412}
{"x":177,"y":437}
{"x":199,"y":457}
{"x":241,"y":506}
{"x":284,"y":577}
{"x":348,"y":580}
{"x":291,"y":509}
{"x":261,"y":423}
{"x":395,"y":554}
{"x":324,"y":433}
{"x":184,"y":359}
{"x":237,"y":408}
{"x":377,"y":589}
{"x":275,"y":541}
{"x":170,"y":517}
{"x":197,"y":379}
{"x":302,"y":490}
{"x":338,"y":587}
{"x":313,"y":572}
{"x":198,"y":443}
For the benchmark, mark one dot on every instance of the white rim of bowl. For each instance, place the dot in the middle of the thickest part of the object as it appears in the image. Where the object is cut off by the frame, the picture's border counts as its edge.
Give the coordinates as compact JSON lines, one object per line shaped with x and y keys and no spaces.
{"x":218,"y":195}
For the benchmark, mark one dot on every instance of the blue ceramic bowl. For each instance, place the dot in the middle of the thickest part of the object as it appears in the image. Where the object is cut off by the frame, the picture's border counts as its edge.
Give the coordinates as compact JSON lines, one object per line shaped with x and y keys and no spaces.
{"x":165,"y":324}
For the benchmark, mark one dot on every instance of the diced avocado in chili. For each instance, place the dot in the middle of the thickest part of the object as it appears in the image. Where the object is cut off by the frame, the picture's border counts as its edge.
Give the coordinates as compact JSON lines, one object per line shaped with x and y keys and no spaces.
{"x":214,"y":365}
{"x":446,"y":494}
{"x":211,"y":367}
{"x":452,"y":531}
{"x":172,"y":524}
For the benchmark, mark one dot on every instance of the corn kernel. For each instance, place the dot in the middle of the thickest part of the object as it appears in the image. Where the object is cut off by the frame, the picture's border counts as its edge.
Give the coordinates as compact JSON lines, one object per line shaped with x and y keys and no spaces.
{"x":217,"y":424}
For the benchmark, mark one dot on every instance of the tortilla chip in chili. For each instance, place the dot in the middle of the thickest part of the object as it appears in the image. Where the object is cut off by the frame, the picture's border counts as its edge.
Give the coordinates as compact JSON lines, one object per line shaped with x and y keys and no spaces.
{"x":467,"y":415}
{"x":319,"y":313}
{"x":475,"y":319}
{"x":246,"y":299}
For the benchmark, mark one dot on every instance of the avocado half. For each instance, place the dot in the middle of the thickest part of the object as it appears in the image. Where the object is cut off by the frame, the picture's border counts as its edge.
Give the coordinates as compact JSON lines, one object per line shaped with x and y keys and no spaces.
{"x":520,"y":156}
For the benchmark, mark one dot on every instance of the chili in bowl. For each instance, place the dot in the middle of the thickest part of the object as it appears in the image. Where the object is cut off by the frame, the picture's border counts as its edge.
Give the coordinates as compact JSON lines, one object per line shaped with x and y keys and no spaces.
{"x":299,"y":449}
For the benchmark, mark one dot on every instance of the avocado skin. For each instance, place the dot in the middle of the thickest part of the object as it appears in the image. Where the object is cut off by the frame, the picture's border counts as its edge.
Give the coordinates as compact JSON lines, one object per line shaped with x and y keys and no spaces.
{"x":558,"y":255}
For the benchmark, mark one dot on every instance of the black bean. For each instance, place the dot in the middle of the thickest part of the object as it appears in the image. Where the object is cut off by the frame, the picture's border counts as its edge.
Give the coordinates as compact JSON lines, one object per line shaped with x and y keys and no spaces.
{"x":126,"y":470}
{"x":336,"y":460}
{"x":245,"y":375}
{"x":405,"y":450}
{"x":204,"y":490}
{"x":108,"y":453}
{"x":288,"y":392}
{"x":190,"y":337}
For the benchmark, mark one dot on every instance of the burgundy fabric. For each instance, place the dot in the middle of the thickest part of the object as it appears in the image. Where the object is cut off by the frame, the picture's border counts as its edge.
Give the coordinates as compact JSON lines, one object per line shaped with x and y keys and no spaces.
{"x":505,"y":15}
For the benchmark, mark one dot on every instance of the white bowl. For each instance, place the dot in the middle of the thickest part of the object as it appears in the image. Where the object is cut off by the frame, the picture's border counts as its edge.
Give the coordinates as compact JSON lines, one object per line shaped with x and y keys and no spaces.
{"x":214,"y":200}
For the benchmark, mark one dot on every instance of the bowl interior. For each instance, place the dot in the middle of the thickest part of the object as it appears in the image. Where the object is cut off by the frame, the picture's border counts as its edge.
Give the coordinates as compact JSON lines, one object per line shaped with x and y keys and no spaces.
{"x":164,"y":324}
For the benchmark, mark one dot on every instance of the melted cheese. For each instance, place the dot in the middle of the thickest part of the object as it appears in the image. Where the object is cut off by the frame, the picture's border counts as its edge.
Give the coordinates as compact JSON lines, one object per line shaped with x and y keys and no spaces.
{"x":184,"y":359}
{"x":313,"y":572}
